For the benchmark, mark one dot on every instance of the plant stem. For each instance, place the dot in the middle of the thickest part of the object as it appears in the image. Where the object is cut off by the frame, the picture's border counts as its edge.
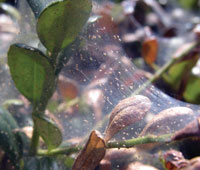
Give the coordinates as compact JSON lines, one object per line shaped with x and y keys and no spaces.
{"x":68,"y":104}
{"x":140,"y":140}
{"x":60,"y":150}
{"x":121,"y":144}
{"x":155,"y":77}
{"x":34,"y":141}
{"x":36,"y":135}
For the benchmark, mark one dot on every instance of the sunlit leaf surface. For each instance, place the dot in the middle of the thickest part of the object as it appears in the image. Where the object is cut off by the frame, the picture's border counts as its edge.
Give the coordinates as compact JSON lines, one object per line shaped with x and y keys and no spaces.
{"x":32,"y":72}
{"x":59,"y":24}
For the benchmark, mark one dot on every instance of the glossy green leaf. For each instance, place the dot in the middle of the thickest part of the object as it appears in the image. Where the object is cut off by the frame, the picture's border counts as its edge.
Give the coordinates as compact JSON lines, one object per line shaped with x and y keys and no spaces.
{"x":60,"y":23}
{"x":32,"y":73}
{"x":192,"y":91}
{"x":49,"y":131}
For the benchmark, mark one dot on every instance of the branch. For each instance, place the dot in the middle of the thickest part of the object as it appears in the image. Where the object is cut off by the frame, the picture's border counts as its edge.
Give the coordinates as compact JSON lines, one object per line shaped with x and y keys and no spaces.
{"x":140,"y":140}
{"x":60,"y":150}
{"x":34,"y":141}
{"x":121,"y":144}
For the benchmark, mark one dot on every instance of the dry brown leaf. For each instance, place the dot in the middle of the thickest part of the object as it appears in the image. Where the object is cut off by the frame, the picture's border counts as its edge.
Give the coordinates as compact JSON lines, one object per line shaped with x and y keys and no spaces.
{"x":150,"y":50}
{"x":67,"y":87}
{"x":92,"y":153}
{"x":190,"y":130}
{"x":168,"y":121}
{"x":174,"y":160}
{"x":128,"y":111}
{"x":106,"y":20}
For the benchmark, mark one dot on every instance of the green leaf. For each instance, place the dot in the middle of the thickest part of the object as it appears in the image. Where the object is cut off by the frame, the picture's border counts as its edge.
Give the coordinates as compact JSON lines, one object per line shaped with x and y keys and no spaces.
{"x":32,"y":73}
{"x":177,"y":72}
{"x":192,"y":91}
{"x":15,"y":139}
{"x":60,"y":23}
{"x":48,"y":130}
{"x":8,"y":118}
{"x":8,"y":143}
{"x":189,"y":3}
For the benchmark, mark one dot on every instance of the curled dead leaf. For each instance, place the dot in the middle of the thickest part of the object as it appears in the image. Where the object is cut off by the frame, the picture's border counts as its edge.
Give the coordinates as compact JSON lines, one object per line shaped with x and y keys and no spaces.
{"x":168,"y":121}
{"x":150,"y":50}
{"x":190,"y":130}
{"x":174,"y":160}
{"x":92,"y":153}
{"x":128,"y":111}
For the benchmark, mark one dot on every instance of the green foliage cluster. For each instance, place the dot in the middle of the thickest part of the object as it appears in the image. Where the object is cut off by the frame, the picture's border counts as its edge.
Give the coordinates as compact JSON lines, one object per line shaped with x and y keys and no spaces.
{"x":35,"y":76}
